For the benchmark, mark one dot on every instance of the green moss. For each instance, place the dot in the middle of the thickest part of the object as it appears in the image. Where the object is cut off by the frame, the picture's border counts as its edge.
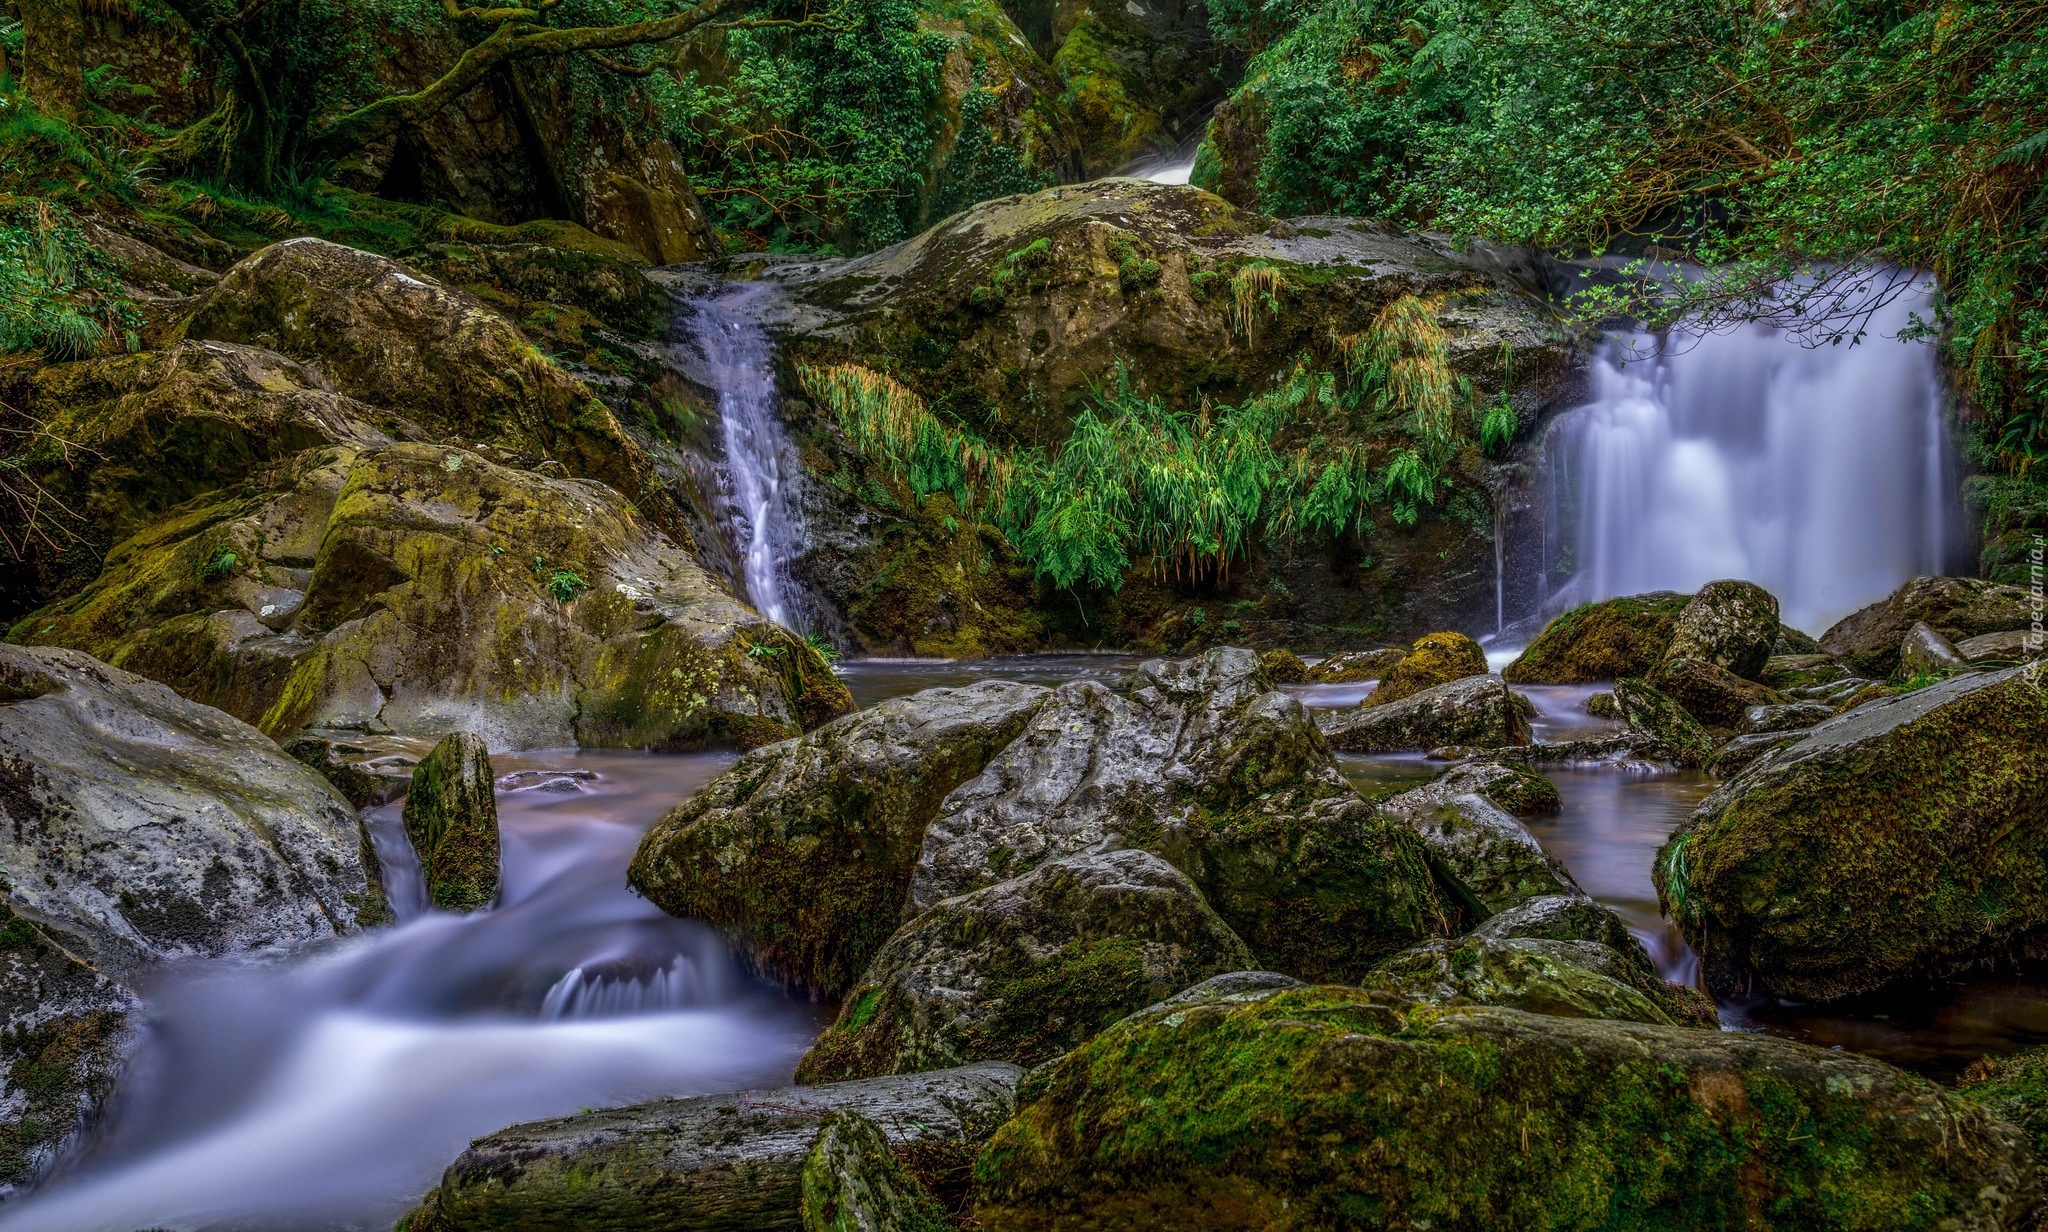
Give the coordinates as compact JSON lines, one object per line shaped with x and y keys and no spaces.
{"x":451,"y":816}
{"x":1437,"y":658}
{"x":58,"y":1071}
{"x":1601,"y":641}
{"x":2016,"y":1088}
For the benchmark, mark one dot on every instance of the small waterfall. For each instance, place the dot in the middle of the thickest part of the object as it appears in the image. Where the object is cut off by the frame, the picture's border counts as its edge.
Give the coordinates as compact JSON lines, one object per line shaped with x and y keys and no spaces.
{"x":593,"y":994}
{"x":1819,"y":472}
{"x":760,"y":465}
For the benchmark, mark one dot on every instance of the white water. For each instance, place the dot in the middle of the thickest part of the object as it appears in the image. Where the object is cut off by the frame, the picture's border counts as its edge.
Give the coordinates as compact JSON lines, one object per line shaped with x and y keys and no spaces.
{"x":760,"y":466}
{"x":1820,"y":473}
{"x":331,"y":1090}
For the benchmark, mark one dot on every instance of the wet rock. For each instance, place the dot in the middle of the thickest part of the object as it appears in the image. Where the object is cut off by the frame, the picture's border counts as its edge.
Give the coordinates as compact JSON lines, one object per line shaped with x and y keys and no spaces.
{"x":1484,"y":1118}
{"x":136,"y":827}
{"x":1603,"y":706}
{"x":803,"y":851}
{"x":2014,"y":1087}
{"x":1225,"y":781}
{"x":716,"y":1163}
{"x":1710,"y":693}
{"x":1792,"y":642}
{"x":1284,"y":667}
{"x":1923,"y":652}
{"x":1237,"y":986}
{"x":1663,"y":720}
{"x":852,"y":1182}
{"x":451,"y":816}
{"x":1490,"y":858}
{"x":1956,"y":608}
{"x":1616,"y":953}
{"x":1736,"y":755}
{"x":1802,"y":671}
{"x":2002,"y":649}
{"x":1566,"y":979}
{"x":1902,"y":839}
{"x":1785,"y":717}
{"x":1601,"y":641}
{"x":1478,"y":711}
{"x":1026,"y":969}
{"x":1730,"y":624}
{"x":1437,"y":658}
{"x":1355,"y":666}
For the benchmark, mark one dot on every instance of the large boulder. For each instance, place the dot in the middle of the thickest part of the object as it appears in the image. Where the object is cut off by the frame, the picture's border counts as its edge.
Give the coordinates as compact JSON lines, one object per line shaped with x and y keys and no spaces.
{"x":1730,"y":624}
{"x":1026,"y":969}
{"x":715,"y":1163}
{"x":1436,"y":658}
{"x":136,"y":827}
{"x":1566,"y":979}
{"x":1923,"y":652}
{"x":1601,"y":641}
{"x":2016,"y":1088}
{"x":1228,"y":782}
{"x":1488,"y":857}
{"x":803,"y":851}
{"x":1649,"y":711}
{"x":1906,"y":838}
{"x":1474,"y":711}
{"x":853,"y":1182}
{"x":1956,"y":608}
{"x":1709,"y":692}
{"x":451,"y":816}
{"x":1334,"y":1108}
{"x":1355,"y":666}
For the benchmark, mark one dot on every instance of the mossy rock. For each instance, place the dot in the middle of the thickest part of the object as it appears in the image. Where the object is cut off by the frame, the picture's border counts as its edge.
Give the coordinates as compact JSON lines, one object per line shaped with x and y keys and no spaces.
{"x":1331,"y":1108}
{"x":1489,"y":858}
{"x":1356,"y":666}
{"x":1868,"y":640}
{"x":1024,"y":970}
{"x":1650,"y":712}
{"x":2014,"y":1087}
{"x":1565,"y":979}
{"x":1284,"y":667}
{"x":1437,"y":658}
{"x":1730,"y":624}
{"x":1709,"y":692}
{"x":1601,"y":641}
{"x":1478,"y":712}
{"x":803,"y":851}
{"x":1905,"y":839}
{"x":451,"y":816}
{"x":853,"y":1182}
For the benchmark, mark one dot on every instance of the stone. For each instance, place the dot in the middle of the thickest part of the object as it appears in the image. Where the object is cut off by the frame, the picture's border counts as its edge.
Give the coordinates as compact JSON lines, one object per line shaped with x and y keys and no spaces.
{"x":1663,"y":720}
{"x":2002,"y":649}
{"x":1491,"y":859}
{"x":1904,"y":839}
{"x":1284,"y":667}
{"x":852,"y":1182}
{"x":1026,"y":969}
{"x":137,"y":827}
{"x":451,"y":816}
{"x":1957,"y":608}
{"x":1923,"y":652}
{"x":803,"y":851}
{"x":1603,"y":706}
{"x":1618,"y":955}
{"x":1798,"y":671}
{"x":1227,"y":782}
{"x":1785,"y":717}
{"x":1437,"y":658}
{"x":1601,"y":641}
{"x":714,"y":1163}
{"x":1731,"y":624}
{"x":1355,"y":666}
{"x":1339,"y":1108}
{"x":1476,"y":711}
{"x":1710,"y":693}
{"x":1566,"y":979}
{"x":1732,"y":757}
{"x":2015,"y":1088}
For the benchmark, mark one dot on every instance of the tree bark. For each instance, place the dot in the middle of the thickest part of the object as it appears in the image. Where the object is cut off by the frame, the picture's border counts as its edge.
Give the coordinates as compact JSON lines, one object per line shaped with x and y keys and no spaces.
{"x":52,"y":56}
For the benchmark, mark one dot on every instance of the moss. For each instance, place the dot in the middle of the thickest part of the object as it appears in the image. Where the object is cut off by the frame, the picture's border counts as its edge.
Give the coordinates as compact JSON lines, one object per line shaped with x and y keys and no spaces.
{"x":451,"y":816}
{"x":1284,"y":667}
{"x":2016,"y":1088}
{"x":1649,"y":711}
{"x":853,"y":1182}
{"x":1436,"y":658}
{"x":1524,"y":793}
{"x":57,"y":1071}
{"x":1601,"y":641}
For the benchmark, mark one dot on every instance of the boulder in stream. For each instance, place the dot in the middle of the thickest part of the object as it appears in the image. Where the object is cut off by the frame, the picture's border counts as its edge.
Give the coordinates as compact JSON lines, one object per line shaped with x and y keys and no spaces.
{"x":1648,"y":711}
{"x":1957,"y":608}
{"x":1709,"y":692}
{"x":1568,"y":979}
{"x":451,"y":816}
{"x":1355,"y":666}
{"x":1437,"y":658}
{"x":1730,"y":624}
{"x":1474,"y":711}
{"x":853,"y":1182}
{"x":1489,"y":857}
{"x":1904,"y":839}
{"x":803,"y":851}
{"x":1601,"y":641}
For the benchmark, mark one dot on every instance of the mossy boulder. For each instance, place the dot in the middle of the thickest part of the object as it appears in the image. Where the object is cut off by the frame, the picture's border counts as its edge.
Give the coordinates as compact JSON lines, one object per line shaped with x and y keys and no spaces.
{"x":1601,"y":641}
{"x":716,"y":1163}
{"x":1026,"y":969}
{"x":853,"y":1182}
{"x":1228,"y":782}
{"x":1334,"y":1108}
{"x":2014,"y":1087}
{"x":1284,"y":667}
{"x":1730,"y":624}
{"x":1907,"y":838}
{"x":1436,"y":658}
{"x":1785,"y":717}
{"x":1356,"y":666}
{"x":1649,"y":711}
{"x":1489,"y":858}
{"x":451,"y":816}
{"x":1135,"y":76}
{"x":803,"y":851}
{"x":1709,"y":692}
{"x":2002,"y":649}
{"x":1617,"y":953}
{"x":1565,"y":979}
{"x":1923,"y":652}
{"x":1957,"y":608}
{"x":1478,"y":712}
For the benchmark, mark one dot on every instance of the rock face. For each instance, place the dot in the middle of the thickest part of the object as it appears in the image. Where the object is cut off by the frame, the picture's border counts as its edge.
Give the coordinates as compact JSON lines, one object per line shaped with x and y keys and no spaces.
{"x":716,"y":1163}
{"x":803,"y":851}
{"x":853,"y":1183}
{"x":1601,"y":641}
{"x":136,"y":826}
{"x":1616,"y":953}
{"x":1663,"y":720}
{"x":1956,"y":608}
{"x":1906,"y":838}
{"x":1227,"y":782}
{"x":451,"y":816}
{"x":1475,"y":711}
{"x":2001,"y":649}
{"x":1730,"y":624}
{"x":1437,"y":658}
{"x":1026,"y":969}
{"x":1329,"y":1108}
{"x":1355,"y":666}
{"x":1709,"y":692}
{"x":1489,"y":857}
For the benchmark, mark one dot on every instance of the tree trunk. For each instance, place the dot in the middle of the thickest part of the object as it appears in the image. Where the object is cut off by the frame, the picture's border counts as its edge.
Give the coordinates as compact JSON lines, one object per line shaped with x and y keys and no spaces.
{"x":52,"y":55}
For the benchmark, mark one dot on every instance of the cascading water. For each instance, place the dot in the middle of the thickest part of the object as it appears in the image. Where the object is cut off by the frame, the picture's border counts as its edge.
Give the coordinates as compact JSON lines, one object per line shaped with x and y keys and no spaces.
{"x":1819,"y":472}
{"x":760,"y":466}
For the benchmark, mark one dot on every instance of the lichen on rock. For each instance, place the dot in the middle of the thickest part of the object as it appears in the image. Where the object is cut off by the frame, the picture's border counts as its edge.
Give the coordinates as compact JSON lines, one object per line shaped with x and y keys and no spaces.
{"x":451,"y":816}
{"x":1436,"y":658}
{"x":1477,"y":711}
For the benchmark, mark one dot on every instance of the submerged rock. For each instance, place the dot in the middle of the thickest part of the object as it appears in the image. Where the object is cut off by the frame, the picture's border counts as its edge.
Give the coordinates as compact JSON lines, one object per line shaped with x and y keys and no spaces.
{"x":715,"y":1163}
{"x":1730,"y":624}
{"x":1956,"y":608}
{"x":1709,"y":692}
{"x":451,"y":816}
{"x":1227,"y":782}
{"x":1923,"y":652}
{"x":1491,"y":858}
{"x":1475,"y":711}
{"x":1663,"y":720}
{"x":1336,"y":1108}
{"x":1026,"y":969}
{"x":1601,"y":641}
{"x":803,"y":851}
{"x":1437,"y":658}
{"x":1903,"y":839}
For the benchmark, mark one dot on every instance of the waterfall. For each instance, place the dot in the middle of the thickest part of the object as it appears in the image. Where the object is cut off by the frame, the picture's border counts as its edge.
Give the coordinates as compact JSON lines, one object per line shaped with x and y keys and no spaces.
{"x":1819,"y":472}
{"x":760,"y":466}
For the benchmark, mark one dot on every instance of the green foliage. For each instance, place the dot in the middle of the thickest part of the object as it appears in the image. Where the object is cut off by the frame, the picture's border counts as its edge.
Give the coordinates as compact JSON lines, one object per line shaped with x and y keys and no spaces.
{"x":218,"y":565}
{"x":57,"y":293}
{"x":565,"y":585}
